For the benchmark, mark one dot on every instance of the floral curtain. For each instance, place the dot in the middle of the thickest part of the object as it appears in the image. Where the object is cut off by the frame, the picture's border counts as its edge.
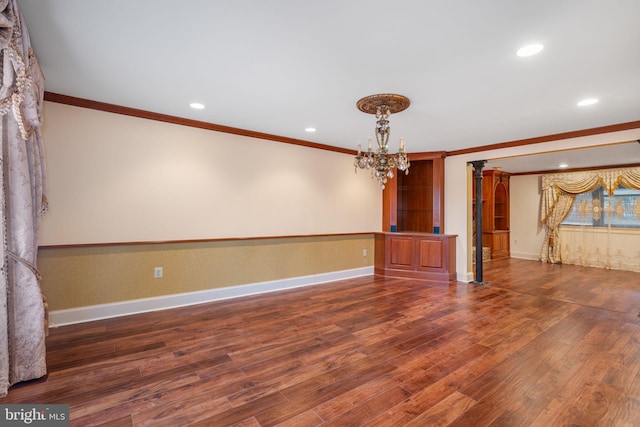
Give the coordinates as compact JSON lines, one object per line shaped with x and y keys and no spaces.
{"x":22,"y":201}
{"x":562,"y":203}
{"x":559,"y":191}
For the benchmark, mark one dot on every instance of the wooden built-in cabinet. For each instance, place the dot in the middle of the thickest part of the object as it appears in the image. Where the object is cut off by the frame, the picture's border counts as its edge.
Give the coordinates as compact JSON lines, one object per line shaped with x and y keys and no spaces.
{"x":414,"y":202}
{"x":413,"y":220}
{"x":423,"y":256}
{"x":495,"y":213}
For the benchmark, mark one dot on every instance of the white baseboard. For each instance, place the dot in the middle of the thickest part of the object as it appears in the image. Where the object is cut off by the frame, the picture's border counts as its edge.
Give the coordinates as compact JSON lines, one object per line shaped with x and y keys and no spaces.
{"x":105,"y":311}
{"x":465,"y":277}
{"x":524,"y":255}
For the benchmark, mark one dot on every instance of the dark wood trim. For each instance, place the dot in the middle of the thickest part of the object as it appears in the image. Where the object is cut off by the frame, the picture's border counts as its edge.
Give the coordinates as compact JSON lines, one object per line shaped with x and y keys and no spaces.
{"x":143,"y":114}
{"x":590,"y":168}
{"x":224,"y":239}
{"x":388,"y":196}
{"x":548,"y":138}
{"x":428,"y":155}
{"x":133,"y":112}
{"x":438,"y":193}
{"x":389,"y":204}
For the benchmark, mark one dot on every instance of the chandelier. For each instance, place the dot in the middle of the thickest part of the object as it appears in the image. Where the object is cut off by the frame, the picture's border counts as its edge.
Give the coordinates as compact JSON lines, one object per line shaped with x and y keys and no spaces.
{"x":380,"y":162}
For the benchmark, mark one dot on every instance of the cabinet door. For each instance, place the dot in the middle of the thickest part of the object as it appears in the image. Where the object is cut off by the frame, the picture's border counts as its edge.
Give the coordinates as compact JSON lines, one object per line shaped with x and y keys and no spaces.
{"x":500,"y":245}
{"x":430,"y":254}
{"x":400,"y":252}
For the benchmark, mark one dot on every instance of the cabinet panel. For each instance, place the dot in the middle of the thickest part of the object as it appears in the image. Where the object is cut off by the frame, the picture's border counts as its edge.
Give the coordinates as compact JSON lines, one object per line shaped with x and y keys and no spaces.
{"x":415,"y":202}
{"x":401,"y":253}
{"x":431,"y":254}
{"x":415,"y":220}
{"x":498,"y":241}
{"x":501,"y":245}
{"x":415,"y":198}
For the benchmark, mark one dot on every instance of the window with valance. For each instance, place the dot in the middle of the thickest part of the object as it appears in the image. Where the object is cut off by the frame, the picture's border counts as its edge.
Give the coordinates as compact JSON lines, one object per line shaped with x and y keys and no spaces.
{"x":598,"y":206}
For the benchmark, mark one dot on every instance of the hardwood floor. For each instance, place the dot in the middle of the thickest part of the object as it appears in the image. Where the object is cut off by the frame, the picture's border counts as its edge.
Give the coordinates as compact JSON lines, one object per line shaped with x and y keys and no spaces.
{"x":541,"y":345}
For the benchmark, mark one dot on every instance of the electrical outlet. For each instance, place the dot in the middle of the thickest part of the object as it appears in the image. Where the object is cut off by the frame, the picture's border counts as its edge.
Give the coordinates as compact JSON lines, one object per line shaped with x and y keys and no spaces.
{"x":157,"y":272}
{"x":364,"y":252}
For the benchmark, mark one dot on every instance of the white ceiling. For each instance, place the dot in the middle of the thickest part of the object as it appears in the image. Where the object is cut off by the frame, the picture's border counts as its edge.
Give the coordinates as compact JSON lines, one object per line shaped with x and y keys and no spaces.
{"x":279,"y":66}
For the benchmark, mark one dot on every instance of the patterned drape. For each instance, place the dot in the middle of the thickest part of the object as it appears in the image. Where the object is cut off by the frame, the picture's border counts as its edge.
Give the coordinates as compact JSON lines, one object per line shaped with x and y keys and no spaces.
{"x":22,"y":201}
{"x":558,"y":193}
{"x":561,"y":206}
{"x":603,"y":247}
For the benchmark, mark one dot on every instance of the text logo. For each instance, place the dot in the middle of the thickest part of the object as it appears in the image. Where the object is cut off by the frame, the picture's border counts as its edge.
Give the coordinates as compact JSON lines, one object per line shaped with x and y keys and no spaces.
{"x":34,"y":415}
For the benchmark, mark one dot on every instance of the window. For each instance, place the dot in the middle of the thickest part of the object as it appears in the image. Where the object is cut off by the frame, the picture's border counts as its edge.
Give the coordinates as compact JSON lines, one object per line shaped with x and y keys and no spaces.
{"x":598,"y":209}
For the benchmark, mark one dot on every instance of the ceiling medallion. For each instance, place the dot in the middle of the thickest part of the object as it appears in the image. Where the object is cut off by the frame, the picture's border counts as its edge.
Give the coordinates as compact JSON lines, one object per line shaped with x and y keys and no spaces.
{"x":380,"y":162}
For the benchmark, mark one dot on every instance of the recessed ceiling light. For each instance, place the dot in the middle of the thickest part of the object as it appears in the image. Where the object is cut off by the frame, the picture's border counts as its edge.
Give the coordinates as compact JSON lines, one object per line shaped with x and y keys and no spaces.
{"x":530,"y":49}
{"x":196,"y":106}
{"x":588,"y":101}
{"x":563,"y":165}
{"x":310,"y":129}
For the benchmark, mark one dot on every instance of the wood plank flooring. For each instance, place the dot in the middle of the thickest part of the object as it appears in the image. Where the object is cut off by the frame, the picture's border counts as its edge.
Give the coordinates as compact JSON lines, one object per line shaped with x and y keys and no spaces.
{"x":541,"y":345}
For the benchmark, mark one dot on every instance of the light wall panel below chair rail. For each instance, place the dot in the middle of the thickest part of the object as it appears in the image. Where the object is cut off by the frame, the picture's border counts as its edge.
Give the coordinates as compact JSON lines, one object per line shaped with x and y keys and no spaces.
{"x":89,"y":275}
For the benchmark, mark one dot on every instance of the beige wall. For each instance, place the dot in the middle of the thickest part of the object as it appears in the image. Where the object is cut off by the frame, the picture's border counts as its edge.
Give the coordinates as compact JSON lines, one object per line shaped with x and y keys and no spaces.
{"x":119,"y":179}
{"x":115,"y":178}
{"x":527,"y":233}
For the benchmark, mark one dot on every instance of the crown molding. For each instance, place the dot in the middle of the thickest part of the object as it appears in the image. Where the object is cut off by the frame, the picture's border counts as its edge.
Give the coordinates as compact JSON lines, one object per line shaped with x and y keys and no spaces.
{"x":548,"y":138}
{"x":143,"y":114}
